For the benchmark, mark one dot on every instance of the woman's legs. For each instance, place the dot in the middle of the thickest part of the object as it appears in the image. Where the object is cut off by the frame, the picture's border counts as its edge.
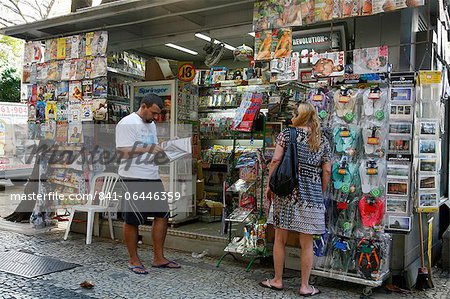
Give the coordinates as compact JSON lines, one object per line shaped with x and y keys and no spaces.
{"x":307,"y":257}
{"x":279,"y":252}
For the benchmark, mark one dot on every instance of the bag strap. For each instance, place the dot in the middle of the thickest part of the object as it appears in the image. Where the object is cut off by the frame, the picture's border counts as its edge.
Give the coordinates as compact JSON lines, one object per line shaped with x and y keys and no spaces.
{"x":292,"y":135}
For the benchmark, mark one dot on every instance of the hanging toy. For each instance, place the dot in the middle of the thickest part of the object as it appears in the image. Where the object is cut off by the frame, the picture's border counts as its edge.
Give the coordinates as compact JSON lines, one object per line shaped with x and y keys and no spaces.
{"x":371,"y":210}
{"x":243,"y":53}
{"x":368,"y":255}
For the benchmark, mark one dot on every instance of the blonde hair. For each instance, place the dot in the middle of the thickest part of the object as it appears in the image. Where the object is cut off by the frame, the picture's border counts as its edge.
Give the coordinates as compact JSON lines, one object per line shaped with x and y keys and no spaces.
{"x":307,"y":117}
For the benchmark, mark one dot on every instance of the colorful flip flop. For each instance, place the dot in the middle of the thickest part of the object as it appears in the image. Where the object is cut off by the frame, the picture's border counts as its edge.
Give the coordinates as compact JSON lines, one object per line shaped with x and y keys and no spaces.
{"x":133,"y":269}
{"x":267,"y":285}
{"x":166,"y":265}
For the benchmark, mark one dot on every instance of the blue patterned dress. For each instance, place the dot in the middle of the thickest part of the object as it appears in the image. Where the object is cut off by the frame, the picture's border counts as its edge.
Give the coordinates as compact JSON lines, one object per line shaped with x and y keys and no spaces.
{"x":303,"y":211}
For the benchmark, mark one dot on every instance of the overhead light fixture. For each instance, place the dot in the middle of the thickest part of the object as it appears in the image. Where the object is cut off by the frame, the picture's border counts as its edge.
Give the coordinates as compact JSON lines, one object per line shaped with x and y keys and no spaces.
{"x":180,"y":48}
{"x":208,"y":39}
{"x":251,"y":34}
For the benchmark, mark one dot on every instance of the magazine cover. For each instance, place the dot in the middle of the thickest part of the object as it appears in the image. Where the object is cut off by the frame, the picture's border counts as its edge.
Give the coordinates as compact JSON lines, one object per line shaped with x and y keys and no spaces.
{"x":73,"y":69}
{"x":285,"y":69}
{"x":48,"y":47}
{"x":337,"y":9}
{"x":61,"y":47}
{"x":100,"y":43}
{"x":86,"y":110}
{"x":308,"y":11}
{"x":26,"y":75}
{"x":49,"y":129}
{"x":323,"y":10}
{"x":65,"y":70}
{"x":53,"y":71}
{"x":34,"y":91}
{"x":81,"y":69}
{"x":370,"y":60}
{"x":89,"y":37}
{"x":41,"y":91}
{"x":75,"y":133}
{"x":100,"y":109}
{"x":61,"y":131}
{"x":62,"y":91}
{"x":282,"y":42}
{"x":75,"y":46}
{"x":276,"y":14}
{"x":74,"y":112}
{"x":62,"y":110}
{"x":31,"y":111}
{"x":366,"y":7}
{"x":50,"y":110}
{"x":89,"y":65}
{"x":41,"y":71}
{"x":75,"y":91}
{"x":100,"y":67}
{"x":101,"y":87}
{"x":350,"y":8}
{"x":33,"y":73}
{"x":87,"y":89}
{"x":28,"y":53}
{"x":40,"y":111}
{"x":328,"y":64}
{"x":53,"y":49}
{"x":263,"y":45}
{"x":50,"y":93}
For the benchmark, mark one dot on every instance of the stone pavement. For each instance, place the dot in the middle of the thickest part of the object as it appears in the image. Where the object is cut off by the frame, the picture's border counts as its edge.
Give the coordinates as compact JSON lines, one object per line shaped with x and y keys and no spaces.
{"x":104,"y":263}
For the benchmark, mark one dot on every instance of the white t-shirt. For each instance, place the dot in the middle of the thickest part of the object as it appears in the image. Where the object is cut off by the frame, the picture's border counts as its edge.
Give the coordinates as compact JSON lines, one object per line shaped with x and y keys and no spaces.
{"x":132,"y":129}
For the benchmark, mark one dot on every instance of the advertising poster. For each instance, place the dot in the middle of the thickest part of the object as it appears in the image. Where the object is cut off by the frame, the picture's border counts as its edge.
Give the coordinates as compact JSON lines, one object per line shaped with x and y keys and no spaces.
{"x":276,"y":14}
{"x":308,"y":11}
{"x":370,"y":60}
{"x":263,"y":45}
{"x":282,"y":42}
{"x":323,"y":10}
{"x":328,"y":64}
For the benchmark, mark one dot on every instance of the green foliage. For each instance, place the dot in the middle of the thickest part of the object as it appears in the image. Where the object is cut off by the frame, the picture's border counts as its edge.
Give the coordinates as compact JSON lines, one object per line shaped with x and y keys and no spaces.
{"x":9,"y":86}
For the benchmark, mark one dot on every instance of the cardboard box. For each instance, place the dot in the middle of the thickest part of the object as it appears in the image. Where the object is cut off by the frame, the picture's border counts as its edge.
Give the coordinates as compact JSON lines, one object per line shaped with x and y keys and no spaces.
{"x":293,"y":238}
{"x":158,"y":69}
{"x":200,"y":189}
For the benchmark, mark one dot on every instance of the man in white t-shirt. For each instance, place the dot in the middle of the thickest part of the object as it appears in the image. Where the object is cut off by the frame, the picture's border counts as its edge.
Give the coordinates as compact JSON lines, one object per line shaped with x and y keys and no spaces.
{"x":137,"y":145}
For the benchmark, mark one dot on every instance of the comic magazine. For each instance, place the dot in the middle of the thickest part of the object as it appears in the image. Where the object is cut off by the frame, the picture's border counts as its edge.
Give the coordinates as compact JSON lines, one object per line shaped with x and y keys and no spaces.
{"x":53,"y":71}
{"x":282,"y":43}
{"x":74,"y":112}
{"x":87,"y":89}
{"x":370,"y":60}
{"x":89,"y":37}
{"x":62,"y":91}
{"x":99,"y":67}
{"x":81,"y":69}
{"x":40,"y":111}
{"x":50,"y":94}
{"x":100,"y":109}
{"x":61,"y":132}
{"x":53,"y":49}
{"x":75,"y":133}
{"x":100,"y":43}
{"x":350,"y":8}
{"x":329,"y":64}
{"x":65,"y":70}
{"x":51,"y":110}
{"x":308,"y":11}
{"x":86,"y":110}
{"x":75,"y":47}
{"x":61,"y":47}
{"x":263,"y":45}
{"x":75,"y":91}
{"x":101,"y":87}
{"x":62,"y":110}
{"x":323,"y":10}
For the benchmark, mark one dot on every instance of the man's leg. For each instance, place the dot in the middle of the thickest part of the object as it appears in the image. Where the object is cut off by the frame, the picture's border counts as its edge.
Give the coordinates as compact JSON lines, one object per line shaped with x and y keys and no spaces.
{"x":159,"y":232}
{"x":130,"y":234}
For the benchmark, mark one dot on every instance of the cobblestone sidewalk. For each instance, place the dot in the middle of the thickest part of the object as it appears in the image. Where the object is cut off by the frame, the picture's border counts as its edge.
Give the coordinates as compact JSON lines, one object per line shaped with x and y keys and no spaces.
{"x":104,"y":263}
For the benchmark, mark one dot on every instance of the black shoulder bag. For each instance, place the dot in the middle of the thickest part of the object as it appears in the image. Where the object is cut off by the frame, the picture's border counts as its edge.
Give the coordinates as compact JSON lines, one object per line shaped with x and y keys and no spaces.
{"x":285,"y":178}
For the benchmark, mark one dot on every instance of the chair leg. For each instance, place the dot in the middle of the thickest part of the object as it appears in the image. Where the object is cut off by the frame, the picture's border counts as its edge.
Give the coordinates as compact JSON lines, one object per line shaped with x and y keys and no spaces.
{"x":72,"y":213}
{"x":90,"y":226}
{"x":111,"y":230}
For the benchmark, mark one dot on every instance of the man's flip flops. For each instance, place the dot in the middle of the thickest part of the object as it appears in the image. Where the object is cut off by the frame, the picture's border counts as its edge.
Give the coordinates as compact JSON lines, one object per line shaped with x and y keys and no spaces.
{"x":313,"y":293}
{"x":168,"y":265}
{"x":267,"y":285}
{"x":135,"y":270}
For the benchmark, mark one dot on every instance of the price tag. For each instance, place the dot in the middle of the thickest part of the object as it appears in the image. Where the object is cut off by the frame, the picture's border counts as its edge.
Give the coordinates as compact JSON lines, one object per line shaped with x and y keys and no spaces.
{"x":186,"y":72}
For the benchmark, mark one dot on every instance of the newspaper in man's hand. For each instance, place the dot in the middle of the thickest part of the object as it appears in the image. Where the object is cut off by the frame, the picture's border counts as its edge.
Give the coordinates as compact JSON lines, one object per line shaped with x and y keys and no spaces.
{"x":177,"y":148}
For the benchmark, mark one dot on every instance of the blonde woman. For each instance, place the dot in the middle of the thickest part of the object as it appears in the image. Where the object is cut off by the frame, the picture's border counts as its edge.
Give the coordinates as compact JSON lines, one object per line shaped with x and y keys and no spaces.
{"x":303,"y":211}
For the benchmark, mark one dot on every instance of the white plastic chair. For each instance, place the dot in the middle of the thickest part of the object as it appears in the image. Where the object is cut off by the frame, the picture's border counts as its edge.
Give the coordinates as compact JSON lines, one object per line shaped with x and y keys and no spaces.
{"x":109,"y":181}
